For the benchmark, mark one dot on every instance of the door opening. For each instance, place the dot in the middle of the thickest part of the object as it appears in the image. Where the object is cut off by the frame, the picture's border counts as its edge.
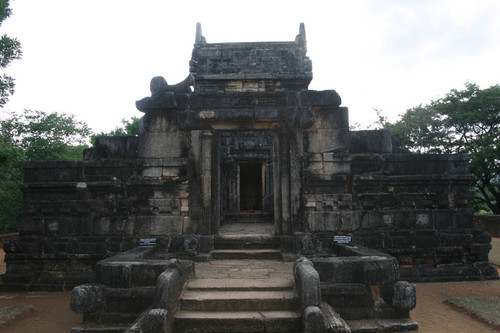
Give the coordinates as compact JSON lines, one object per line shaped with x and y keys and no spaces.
{"x":250,"y":187}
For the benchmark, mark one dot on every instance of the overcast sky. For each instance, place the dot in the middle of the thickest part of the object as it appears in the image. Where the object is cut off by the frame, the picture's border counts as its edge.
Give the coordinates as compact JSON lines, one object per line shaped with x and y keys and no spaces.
{"x":94,"y":59}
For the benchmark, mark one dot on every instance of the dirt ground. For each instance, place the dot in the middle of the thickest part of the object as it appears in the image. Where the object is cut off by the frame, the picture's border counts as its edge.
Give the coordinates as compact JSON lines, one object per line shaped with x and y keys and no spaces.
{"x":50,"y":311}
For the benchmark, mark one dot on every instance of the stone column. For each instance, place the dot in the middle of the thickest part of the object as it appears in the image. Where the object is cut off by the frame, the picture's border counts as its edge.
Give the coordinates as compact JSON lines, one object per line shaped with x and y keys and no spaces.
{"x":287,"y":161}
{"x":206,"y":181}
{"x":215,"y":186}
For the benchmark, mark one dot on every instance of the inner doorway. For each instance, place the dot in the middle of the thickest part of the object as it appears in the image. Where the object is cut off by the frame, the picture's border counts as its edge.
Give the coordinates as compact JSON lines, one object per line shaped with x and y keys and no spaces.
{"x":250,"y":187}
{"x":246,"y":176}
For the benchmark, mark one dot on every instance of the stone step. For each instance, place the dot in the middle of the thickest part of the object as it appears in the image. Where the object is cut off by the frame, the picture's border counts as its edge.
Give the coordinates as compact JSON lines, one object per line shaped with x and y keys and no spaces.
{"x":247,"y":321}
{"x":99,"y":329}
{"x":241,"y":284}
{"x":194,"y":300}
{"x":246,"y":242}
{"x":246,"y":228}
{"x":255,"y":254}
{"x":249,"y":216}
{"x":382,"y":325}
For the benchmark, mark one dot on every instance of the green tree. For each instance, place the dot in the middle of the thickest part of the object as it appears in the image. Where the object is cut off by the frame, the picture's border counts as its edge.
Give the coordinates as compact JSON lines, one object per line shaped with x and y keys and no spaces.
{"x":10,"y":49}
{"x":130,"y":127}
{"x":11,"y":176}
{"x":463,"y":122}
{"x":30,"y":136}
{"x":46,"y":136}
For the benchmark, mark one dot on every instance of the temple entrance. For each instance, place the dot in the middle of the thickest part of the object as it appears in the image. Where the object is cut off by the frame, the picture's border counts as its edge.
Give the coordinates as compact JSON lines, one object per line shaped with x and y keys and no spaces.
{"x":248,"y":176}
{"x":246,"y":192}
{"x":250,"y":187}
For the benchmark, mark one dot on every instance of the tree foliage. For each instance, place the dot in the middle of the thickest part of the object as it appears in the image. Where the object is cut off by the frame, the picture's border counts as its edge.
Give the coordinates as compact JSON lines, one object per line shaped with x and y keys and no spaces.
{"x":10,"y":49}
{"x":463,"y":122}
{"x":130,"y":127}
{"x":11,"y":176}
{"x":46,"y":136}
{"x":30,"y":136}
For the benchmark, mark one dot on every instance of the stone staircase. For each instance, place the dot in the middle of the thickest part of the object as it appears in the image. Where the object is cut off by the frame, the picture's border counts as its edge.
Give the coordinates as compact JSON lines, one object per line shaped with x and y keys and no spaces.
{"x":257,"y":247}
{"x":245,"y":288}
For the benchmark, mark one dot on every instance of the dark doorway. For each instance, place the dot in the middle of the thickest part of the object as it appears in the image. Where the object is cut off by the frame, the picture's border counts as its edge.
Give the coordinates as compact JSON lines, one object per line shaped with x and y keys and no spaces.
{"x":250,"y":187}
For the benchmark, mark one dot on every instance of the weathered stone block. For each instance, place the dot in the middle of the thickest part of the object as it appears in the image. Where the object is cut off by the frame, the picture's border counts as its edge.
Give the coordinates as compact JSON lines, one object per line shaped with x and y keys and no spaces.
{"x":115,"y":148}
{"x":205,"y":244}
{"x":190,"y":244}
{"x":326,"y":140}
{"x":146,"y":274}
{"x":185,"y":267}
{"x":87,"y":298}
{"x":330,"y":118}
{"x":335,"y":167}
{"x":427,"y":239}
{"x":375,"y":141}
{"x":326,"y":221}
{"x":324,"y":98}
{"x":171,"y":282}
{"x":158,"y":225}
{"x":333,"y":321}
{"x":115,"y":275}
{"x":308,"y":283}
{"x":338,"y":289}
{"x":464,"y":218}
{"x":476,"y":248}
{"x":367,"y":270}
{"x":152,"y":321}
{"x":331,"y":184}
{"x":287,"y":243}
{"x":304,"y":244}
{"x":53,"y":171}
{"x":351,"y":221}
{"x":365,"y":164}
{"x":401,"y":295}
{"x":163,"y":145}
{"x":30,"y":225}
{"x":313,"y":320}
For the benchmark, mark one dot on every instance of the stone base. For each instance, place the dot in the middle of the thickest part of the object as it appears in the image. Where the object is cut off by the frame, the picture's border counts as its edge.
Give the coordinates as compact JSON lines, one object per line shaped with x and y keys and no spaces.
{"x":382,"y":325}
{"x":48,"y":272}
{"x":452,"y":272}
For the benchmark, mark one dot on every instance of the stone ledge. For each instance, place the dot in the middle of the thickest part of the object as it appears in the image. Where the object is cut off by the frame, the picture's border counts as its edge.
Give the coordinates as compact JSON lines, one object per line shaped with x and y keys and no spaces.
{"x":369,"y":270}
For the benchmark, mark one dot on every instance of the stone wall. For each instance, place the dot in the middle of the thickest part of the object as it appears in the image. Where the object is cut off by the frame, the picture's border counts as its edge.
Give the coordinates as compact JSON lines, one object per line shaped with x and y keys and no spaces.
{"x":76,"y":213}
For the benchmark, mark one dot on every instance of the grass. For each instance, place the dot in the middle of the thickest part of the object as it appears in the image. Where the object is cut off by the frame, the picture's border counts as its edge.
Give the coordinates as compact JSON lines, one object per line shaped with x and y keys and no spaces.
{"x":484,"y":308}
{"x":9,"y":312}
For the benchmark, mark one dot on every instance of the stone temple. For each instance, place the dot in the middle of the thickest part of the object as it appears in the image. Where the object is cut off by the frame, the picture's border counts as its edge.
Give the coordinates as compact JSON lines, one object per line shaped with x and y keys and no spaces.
{"x":241,"y":144}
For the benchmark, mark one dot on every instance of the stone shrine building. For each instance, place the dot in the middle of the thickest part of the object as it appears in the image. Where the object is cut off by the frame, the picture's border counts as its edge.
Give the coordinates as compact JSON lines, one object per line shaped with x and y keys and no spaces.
{"x":244,"y":139}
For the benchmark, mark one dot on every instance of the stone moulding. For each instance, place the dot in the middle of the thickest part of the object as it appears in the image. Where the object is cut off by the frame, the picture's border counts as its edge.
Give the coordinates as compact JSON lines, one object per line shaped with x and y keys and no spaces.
{"x":149,"y":288}
{"x":358,"y":285}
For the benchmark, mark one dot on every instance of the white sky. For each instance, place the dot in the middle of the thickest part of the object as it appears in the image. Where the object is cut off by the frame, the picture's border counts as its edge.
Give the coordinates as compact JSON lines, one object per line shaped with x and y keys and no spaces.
{"x":95,"y":58}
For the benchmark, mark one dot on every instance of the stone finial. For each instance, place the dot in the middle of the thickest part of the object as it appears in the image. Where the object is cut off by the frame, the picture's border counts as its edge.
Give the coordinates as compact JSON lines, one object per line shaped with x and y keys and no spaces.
{"x":198,"y":33}
{"x":302,"y":31}
{"x":199,"y":39}
{"x":301,"y":37}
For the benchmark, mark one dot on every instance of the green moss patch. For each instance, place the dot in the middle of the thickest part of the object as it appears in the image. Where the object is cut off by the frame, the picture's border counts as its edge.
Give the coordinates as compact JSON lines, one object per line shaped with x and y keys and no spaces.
{"x":484,"y":308}
{"x":9,"y":312}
